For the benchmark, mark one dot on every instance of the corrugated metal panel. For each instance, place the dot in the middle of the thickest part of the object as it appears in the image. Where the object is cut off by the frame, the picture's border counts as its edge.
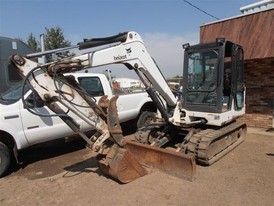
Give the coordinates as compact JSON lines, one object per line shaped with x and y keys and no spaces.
{"x":255,"y":32}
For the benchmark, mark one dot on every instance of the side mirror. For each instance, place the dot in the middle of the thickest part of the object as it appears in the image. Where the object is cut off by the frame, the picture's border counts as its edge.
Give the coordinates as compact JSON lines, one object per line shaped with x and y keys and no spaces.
{"x":34,"y":101}
{"x":39,"y":102}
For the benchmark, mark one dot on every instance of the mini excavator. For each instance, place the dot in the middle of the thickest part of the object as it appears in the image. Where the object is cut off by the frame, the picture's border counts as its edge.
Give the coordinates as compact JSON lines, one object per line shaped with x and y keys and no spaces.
{"x":197,"y":124}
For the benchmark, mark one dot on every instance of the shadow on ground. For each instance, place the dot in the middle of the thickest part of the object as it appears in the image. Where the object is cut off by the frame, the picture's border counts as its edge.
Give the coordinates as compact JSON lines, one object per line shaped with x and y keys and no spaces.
{"x":57,"y":154}
{"x":53,"y":157}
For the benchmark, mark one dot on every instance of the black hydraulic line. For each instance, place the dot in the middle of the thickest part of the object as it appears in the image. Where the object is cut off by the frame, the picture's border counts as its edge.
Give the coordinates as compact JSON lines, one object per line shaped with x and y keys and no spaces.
{"x":156,"y":100}
{"x":89,"y":43}
{"x":158,"y":104}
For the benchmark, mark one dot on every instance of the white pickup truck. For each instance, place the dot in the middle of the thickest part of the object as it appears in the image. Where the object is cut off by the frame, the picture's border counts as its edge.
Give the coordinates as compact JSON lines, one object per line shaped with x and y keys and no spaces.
{"x":20,"y":129}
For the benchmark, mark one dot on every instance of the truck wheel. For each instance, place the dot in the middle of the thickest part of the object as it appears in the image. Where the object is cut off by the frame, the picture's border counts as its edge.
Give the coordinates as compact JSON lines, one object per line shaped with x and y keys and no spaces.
{"x":146,"y":118}
{"x":5,"y":159}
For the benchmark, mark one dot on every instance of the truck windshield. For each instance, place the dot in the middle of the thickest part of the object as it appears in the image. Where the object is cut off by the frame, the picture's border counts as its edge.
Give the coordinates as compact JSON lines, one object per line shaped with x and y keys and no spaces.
{"x":13,"y":94}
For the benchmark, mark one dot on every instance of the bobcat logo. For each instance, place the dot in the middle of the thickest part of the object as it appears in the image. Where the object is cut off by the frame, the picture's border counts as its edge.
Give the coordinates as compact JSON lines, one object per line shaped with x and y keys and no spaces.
{"x":122,"y":57}
{"x":128,"y":50}
{"x":119,"y":58}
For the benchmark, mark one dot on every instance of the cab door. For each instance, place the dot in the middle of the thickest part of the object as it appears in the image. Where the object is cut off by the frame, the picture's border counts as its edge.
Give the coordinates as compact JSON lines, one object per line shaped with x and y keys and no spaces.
{"x":239,"y":87}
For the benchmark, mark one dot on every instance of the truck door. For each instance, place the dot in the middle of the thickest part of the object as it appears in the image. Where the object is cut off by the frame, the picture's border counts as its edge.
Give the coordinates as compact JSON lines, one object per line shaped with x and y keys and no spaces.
{"x":44,"y":127}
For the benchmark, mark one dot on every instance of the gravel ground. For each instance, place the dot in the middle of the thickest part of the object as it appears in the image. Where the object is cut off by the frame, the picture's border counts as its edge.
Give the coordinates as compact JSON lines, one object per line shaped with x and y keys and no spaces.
{"x":67,"y":174}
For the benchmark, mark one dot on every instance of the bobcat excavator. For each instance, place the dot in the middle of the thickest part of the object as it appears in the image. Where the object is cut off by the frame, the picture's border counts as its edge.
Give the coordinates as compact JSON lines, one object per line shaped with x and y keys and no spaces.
{"x":197,"y":124}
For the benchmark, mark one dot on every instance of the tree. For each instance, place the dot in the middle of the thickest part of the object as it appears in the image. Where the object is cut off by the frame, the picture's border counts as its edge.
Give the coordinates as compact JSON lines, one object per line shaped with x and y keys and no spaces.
{"x":33,"y":43}
{"x":54,"y":39}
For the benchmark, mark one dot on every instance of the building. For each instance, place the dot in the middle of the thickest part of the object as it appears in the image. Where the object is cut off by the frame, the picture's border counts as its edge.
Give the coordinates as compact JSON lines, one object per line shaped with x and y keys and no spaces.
{"x":9,"y":74}
{"x":254,"y":31}
{"x":259,"y":6}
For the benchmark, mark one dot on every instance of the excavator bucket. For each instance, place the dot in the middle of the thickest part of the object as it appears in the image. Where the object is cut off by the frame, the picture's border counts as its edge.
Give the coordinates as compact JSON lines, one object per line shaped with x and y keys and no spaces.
{"x":120,"y":164}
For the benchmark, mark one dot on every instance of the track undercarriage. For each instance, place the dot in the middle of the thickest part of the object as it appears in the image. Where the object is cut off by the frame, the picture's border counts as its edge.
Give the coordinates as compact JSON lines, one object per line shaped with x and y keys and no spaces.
{"x":208,"y":144}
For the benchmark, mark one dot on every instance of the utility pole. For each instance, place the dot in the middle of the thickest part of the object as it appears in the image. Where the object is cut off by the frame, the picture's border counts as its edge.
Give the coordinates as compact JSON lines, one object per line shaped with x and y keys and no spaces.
{"x":42,"y":42}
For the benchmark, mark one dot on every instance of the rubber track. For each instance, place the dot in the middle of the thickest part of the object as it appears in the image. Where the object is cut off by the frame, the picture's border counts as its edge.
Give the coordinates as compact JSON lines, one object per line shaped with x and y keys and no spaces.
{"x":201,"y":142}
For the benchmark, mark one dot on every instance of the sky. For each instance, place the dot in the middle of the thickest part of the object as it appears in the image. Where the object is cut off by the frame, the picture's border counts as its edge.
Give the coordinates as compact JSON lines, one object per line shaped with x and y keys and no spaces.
{"x":164,"y":25}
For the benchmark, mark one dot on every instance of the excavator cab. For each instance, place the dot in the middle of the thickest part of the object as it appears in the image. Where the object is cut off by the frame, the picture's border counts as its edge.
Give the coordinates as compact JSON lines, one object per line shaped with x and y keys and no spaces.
{"x":213,"y":77}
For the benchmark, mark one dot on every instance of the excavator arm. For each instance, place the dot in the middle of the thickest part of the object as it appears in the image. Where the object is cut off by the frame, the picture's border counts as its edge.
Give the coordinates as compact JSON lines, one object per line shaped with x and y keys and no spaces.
{"x":120,"y":158}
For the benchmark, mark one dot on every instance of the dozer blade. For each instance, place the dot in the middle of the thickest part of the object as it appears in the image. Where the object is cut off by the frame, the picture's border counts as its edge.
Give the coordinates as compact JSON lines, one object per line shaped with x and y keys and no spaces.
{"x":173,"y":163}
{"x":129,"y":163}
{"x":120,"y":164}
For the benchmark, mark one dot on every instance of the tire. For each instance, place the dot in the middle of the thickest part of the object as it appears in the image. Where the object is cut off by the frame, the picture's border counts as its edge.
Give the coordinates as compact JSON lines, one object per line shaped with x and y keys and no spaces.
{"x":145,"y":119}
{"x":5,"y":159}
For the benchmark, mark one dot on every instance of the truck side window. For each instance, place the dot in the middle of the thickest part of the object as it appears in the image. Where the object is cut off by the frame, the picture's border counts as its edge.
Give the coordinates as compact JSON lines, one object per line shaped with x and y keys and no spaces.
{"x":92,"y":85}
{"x":13,"y":73}
{"x":34,"y":100}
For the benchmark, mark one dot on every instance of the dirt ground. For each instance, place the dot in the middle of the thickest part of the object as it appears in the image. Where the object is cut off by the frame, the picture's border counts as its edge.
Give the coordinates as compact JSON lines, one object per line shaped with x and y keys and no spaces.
{"x":67,"y":174}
